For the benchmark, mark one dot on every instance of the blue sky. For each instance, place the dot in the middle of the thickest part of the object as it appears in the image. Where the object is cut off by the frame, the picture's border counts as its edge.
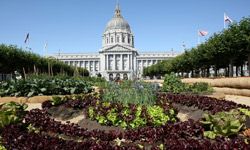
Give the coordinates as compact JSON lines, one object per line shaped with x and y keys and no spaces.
{"x":76,"y":26}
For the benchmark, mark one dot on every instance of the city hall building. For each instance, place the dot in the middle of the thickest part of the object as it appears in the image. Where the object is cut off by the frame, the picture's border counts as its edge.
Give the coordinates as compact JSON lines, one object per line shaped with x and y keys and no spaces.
{"x":118,"y":57}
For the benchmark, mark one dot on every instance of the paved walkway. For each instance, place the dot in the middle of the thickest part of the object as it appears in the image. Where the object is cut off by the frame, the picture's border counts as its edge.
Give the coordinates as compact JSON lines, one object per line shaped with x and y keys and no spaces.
{"x":238,"y":99}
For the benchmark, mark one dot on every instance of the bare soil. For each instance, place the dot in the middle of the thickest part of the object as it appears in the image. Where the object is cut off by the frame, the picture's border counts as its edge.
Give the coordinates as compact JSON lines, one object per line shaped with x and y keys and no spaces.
{"x":185,"y":113}
{"x":66,"y":115}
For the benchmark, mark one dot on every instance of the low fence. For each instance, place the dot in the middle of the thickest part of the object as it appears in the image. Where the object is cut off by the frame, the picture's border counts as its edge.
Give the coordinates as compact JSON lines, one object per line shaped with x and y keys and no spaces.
{"x":4,"y":77}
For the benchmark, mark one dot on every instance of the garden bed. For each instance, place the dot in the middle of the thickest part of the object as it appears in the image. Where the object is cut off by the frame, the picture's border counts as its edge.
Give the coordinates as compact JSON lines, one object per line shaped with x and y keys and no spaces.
{"x":88,"y":121}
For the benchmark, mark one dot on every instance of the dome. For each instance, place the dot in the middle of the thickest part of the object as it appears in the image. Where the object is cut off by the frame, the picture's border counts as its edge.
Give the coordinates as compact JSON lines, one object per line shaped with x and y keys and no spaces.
{"x":117,"y":22}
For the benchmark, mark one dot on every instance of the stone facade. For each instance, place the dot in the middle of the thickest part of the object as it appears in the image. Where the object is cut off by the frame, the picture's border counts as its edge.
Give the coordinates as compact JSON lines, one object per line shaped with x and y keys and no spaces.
{"x":118,"y":57}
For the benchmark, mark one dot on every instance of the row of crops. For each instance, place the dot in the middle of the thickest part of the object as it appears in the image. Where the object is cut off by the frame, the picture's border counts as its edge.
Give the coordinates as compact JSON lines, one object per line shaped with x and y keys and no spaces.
{"x":225,"y":49}
{"x":36,"y":129}
{"x":26,"y":62}
{"x":45,"y":86}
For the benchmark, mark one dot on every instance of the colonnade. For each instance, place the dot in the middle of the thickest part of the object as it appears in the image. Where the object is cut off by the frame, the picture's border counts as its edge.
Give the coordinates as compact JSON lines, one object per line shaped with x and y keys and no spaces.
{"x":90,"y":65}
{"x":119,"y":62}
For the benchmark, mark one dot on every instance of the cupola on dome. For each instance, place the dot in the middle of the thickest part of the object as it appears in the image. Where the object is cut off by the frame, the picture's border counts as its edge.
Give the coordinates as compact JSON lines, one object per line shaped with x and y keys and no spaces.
{"x":118,"y":22}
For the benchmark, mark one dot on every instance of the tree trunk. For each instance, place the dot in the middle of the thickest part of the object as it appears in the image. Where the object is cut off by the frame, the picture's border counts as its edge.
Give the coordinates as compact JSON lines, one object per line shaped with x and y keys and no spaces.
{"x":248,"y":68}
{"x":215,"y":72}
{"x":208,"y":72}
{"x":231,"y":68}
{"x":241,"y":71}
{"x":226,"y":72}
{"x":197,"y":73}
{"x":236,"y":71}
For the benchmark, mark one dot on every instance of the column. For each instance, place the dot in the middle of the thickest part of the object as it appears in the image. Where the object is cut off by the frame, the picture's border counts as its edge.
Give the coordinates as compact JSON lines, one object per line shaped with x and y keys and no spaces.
{"x":107,"y":62}
{"x":115,"y":61}
{"x":122,"y":63}
{"x":129,"y":61}
{"x":132,"y":62}
{"x":141,"y":66}
{"x":89,"y":67}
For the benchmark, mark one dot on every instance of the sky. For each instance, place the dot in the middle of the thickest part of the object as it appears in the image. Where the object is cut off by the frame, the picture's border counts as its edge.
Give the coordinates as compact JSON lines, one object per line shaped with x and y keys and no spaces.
{"x":76,"y":26}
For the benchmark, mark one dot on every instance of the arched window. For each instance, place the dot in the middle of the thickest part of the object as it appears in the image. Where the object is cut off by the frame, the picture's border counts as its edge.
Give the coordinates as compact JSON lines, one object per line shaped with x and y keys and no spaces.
{"x":125,"y":76}
{"x":111,"y":77}
{"x":107,"y":40}
{"x":117,"y":39}
{"x":128,"y":40}
{"x":117,"y":78}
{"x":112,"y":40}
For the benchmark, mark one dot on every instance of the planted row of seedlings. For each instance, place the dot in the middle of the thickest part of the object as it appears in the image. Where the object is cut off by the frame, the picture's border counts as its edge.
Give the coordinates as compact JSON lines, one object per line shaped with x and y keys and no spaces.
{"x":46,"y":131}
{"x":44,"y":86}
{"x":212,"y":105}
{"x":144,"y":128}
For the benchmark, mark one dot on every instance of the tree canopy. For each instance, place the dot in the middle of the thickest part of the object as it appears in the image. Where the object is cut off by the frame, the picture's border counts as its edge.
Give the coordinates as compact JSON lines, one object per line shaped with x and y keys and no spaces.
{"x":228,"y":48}
{"x":13,"y":59}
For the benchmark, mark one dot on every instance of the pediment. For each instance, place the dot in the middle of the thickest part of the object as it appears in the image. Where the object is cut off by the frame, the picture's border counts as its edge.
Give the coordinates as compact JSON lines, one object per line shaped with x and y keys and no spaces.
{"x":118,"y":48}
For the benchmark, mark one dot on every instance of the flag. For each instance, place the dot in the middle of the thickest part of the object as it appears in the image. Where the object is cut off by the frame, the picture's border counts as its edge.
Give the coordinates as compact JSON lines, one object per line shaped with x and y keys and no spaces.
{"x":227,"y":19}
{"x":202,"y":33}
{"x":27,"y":38}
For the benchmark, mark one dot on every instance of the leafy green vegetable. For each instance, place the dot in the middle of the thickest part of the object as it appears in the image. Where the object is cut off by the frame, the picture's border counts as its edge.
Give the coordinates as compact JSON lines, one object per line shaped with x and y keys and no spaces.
{"x":56,"y":100}
{"x":11,"y":113}
{"x":130,"y":92}
{"x":45,"y":86}
{"x":173,"y":84}
{"x":245,"y":111}
{"x":157,"y":114}
{"x":2,"y":147}
{"x":223,"y":124}
{"x":130,"y":116}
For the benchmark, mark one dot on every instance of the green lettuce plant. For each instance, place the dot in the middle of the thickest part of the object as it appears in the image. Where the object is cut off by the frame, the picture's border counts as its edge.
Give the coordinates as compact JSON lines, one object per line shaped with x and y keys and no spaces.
{"x":157,"y":114}
{"x":223,"y":124}
{"x":11,"y":113}
{"x":245,"y":111}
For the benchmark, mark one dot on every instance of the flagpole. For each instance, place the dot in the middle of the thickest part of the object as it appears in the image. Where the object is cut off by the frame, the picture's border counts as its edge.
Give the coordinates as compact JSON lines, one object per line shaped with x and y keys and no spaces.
{"x":224,"y":20}
{"x":198,"y":40}
{"x":45,"y":49}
